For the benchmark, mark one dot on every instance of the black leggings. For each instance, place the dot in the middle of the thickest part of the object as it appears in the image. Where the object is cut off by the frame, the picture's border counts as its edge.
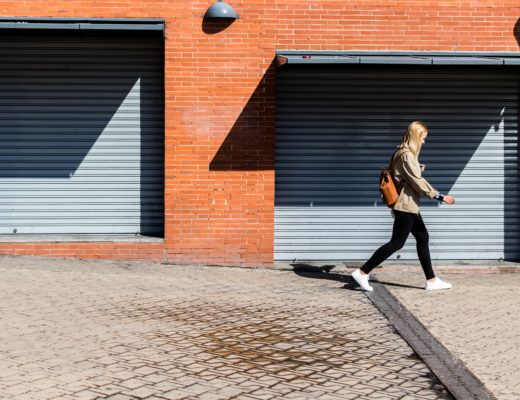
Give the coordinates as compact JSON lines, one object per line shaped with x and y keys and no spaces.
{"x":404,"y":223}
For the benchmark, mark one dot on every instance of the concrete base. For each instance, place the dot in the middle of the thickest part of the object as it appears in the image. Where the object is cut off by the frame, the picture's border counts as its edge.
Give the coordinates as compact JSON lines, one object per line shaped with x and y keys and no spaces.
{"x":450,"y":266}
{"x":78,"y":238}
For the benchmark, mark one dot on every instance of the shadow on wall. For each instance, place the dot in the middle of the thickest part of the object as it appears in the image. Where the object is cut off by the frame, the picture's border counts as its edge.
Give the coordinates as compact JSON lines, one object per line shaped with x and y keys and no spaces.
{"x":211,"y":27}
{"x":512,"y":175}
{"x":249,"y":146}
{"x":334,"y":133}
{"x":151,"y":113}
{"x":516,"y":32}
{"x":53,"y":111}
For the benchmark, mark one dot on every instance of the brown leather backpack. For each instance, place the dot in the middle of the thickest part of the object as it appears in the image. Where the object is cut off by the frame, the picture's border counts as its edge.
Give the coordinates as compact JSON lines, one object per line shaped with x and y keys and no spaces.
{"x":387,"y":186}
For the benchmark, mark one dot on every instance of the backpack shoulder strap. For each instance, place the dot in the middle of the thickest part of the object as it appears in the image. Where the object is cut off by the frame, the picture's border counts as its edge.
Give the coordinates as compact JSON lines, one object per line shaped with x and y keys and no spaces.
{"x":396,"y":156}
{"x":399,"y":153}
{"x":393,"y":159}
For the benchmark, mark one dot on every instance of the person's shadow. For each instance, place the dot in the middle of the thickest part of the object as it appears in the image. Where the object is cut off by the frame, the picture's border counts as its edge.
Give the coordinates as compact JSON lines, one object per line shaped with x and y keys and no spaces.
{"x":324,"y":272}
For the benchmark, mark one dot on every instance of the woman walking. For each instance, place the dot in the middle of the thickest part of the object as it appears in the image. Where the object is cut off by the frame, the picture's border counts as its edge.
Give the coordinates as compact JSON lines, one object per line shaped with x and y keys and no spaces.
{"x":406,"y":171}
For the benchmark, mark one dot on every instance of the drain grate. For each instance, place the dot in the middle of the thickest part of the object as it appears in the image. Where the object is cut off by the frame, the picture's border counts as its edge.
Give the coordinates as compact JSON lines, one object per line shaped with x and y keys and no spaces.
{"x":354,"y":264}
{"x":357,"y":264}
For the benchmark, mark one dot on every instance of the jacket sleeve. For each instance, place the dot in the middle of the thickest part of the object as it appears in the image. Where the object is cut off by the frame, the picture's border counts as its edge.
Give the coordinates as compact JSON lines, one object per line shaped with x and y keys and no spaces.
{"x":411,"y":171}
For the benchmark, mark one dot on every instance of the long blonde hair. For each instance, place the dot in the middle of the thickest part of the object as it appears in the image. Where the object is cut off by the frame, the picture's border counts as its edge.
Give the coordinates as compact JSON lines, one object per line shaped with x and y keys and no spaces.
{"x":412,"y":138}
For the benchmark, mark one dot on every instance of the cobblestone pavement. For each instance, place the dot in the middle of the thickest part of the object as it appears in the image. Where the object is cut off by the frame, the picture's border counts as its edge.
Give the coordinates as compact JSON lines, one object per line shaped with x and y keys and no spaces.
{"x":477,"y":321}
{"x":117,"y":330}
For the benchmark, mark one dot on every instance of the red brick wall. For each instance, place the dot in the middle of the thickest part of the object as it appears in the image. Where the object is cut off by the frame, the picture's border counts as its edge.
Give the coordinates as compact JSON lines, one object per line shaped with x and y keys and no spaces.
{"x":86,"y":250}
{"x":219,"y":197}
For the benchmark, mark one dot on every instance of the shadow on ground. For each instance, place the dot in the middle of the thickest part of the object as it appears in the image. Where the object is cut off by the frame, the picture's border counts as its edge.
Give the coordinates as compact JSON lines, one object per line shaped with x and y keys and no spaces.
{"x":324,"y":272}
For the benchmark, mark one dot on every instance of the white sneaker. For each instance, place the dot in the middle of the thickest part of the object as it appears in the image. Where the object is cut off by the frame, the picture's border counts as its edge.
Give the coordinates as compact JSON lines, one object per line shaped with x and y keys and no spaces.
{"x":362,"y":280}
{"x":437,"y":284}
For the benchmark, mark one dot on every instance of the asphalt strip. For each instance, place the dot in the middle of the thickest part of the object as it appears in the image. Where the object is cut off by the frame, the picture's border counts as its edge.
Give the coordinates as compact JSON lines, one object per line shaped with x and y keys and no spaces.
{"x":458,"y":380}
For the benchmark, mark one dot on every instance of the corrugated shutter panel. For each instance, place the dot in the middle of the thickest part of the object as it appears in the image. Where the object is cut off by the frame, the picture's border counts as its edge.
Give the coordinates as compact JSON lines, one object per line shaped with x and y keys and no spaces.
{"x":81,"y":127}
{"x":336,"y":127}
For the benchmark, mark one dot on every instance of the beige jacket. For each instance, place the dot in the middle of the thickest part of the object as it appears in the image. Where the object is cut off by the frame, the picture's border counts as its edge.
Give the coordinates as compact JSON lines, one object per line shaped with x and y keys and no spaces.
{"x":406,"y":171}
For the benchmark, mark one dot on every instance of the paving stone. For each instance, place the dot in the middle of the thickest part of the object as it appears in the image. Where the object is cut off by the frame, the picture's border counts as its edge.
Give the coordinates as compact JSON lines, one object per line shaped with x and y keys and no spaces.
{"x":86,"y":395}
{"x":132,"y":383}
{"x":16,"y":389}
{"x":142,"y":392}
{"x":211,"y":396}
{"x":229,"y":392}
{"x":73,"y":387}
{"x":108,"y":390}
{"x":166,"y":386}
{"x":175,"y":395}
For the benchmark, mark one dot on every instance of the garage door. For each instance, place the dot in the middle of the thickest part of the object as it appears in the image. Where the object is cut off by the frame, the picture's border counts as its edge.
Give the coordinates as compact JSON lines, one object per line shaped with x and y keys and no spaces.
{"x":337,"y":125}
{"x":81,"y":127}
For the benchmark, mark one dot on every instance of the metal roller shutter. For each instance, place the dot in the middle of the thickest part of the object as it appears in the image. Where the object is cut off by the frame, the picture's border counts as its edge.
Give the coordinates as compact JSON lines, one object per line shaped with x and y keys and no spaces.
{"x":337,"y":125}
{"x":81,"y":127}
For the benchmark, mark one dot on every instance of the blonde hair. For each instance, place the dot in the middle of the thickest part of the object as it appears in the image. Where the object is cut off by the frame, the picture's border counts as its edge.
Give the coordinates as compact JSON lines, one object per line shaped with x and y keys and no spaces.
{"x":412,"y":138}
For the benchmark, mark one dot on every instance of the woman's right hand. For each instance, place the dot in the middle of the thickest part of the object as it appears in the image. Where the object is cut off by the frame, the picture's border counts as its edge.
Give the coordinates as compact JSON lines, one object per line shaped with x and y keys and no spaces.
{"x":449,"y":199}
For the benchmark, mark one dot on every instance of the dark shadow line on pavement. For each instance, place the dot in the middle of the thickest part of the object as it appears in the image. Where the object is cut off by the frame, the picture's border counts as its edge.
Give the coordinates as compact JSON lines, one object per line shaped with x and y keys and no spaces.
{"x":323,"y":272}
{"x":301,"y":267}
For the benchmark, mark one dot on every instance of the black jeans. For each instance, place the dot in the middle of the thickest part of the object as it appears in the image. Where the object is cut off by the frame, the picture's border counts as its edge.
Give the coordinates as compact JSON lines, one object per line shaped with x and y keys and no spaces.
{"x":404,"y":223}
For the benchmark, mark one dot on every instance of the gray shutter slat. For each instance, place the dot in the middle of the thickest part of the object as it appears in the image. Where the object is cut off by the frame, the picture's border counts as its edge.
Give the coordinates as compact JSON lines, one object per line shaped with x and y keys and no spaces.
{"x":337,"y":125}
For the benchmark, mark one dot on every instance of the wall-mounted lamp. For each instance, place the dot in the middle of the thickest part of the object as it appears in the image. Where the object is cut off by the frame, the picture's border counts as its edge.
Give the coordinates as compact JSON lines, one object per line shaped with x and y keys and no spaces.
{"x":221,"y":10}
